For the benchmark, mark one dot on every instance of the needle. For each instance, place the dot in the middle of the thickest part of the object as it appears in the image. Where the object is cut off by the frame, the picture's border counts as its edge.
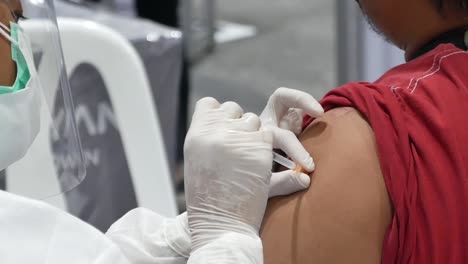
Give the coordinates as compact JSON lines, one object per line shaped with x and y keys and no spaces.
{"x":283,"y":161}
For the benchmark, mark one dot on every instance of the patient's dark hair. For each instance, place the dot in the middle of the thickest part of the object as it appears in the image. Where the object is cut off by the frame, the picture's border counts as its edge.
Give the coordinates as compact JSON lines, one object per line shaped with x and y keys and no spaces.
{"x":456,"y":5}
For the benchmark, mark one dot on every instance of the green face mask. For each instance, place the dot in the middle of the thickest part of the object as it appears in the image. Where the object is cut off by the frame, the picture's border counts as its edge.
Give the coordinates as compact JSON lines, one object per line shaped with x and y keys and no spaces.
{"x":22,"y":71}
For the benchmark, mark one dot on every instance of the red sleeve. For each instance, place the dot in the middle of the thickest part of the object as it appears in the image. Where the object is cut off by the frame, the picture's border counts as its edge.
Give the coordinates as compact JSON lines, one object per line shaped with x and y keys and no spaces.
{"x":381,"y":108}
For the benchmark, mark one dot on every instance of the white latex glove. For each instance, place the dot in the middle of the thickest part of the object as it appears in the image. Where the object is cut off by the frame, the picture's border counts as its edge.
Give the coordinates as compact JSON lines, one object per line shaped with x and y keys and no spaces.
{"x":227,"y":168}
{"x":283,"y":115}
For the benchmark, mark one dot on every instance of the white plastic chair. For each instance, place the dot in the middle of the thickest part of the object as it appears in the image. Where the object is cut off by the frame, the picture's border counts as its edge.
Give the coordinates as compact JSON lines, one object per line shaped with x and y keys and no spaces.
{"x":125,"y":77}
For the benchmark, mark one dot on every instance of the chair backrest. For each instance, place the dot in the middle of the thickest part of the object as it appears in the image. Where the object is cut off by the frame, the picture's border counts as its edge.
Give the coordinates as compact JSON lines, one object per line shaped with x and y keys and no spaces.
{"x":130,"y":94}
{"x":129,"y":90}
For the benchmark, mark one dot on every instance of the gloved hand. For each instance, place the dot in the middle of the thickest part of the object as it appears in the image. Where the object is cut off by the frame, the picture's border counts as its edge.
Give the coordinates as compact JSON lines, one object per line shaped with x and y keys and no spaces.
{"x":283,"y":115}
{"x":228,"y":161}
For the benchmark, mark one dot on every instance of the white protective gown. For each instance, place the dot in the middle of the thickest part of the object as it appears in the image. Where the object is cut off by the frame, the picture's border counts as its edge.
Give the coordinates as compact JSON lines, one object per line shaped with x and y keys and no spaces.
{"x":34,"y":232}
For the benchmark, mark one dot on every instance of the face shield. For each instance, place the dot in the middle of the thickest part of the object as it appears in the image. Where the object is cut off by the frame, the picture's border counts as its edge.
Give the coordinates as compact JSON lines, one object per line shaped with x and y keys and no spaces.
{"x":53,"y":163}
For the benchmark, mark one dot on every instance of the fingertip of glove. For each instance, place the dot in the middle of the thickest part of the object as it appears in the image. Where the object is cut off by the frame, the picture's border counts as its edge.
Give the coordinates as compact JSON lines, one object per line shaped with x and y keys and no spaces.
{"x":309,"y":165}
{"x":208,"y":100}
{"x":320,"y":110}
{"x":304,"y":180}
{"x":317,"y":110}
{"x":207,"y":103}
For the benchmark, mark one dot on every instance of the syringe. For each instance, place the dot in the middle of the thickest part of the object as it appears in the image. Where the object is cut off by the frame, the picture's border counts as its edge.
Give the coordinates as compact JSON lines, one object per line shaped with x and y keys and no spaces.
{"x":283,"y":161}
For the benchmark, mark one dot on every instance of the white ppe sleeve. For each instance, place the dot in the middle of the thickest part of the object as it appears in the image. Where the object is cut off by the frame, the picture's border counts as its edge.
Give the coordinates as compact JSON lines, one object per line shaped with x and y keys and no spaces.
{"x":32,"y":231}
{"x":230,"y":248}
{"x":147,"y":237}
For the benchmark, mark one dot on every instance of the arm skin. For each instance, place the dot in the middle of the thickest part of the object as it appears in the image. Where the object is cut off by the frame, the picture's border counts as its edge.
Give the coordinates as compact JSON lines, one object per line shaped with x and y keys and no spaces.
{"x":344,"y":215}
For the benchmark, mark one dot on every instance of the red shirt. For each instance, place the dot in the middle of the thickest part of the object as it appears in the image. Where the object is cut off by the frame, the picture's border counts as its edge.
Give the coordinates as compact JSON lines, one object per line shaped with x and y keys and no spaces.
{"x":419,"y":114}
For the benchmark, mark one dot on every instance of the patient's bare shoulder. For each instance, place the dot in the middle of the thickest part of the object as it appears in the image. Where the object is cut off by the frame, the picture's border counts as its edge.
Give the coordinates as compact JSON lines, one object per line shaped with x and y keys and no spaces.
{"x":343,"y":216}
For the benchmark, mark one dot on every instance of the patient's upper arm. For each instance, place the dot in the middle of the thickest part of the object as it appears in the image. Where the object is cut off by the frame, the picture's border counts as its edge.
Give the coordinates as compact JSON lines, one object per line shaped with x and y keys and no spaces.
{"x":343,"y":216}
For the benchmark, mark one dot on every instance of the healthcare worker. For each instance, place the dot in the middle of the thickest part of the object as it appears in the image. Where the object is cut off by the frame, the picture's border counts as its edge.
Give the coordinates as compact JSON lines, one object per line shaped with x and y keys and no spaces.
{"x":228,"y":158}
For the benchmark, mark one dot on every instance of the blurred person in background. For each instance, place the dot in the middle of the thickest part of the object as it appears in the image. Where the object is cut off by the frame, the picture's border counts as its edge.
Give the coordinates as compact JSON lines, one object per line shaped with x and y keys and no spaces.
{"x":166,"y":12}
{"x":162,"y":11}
